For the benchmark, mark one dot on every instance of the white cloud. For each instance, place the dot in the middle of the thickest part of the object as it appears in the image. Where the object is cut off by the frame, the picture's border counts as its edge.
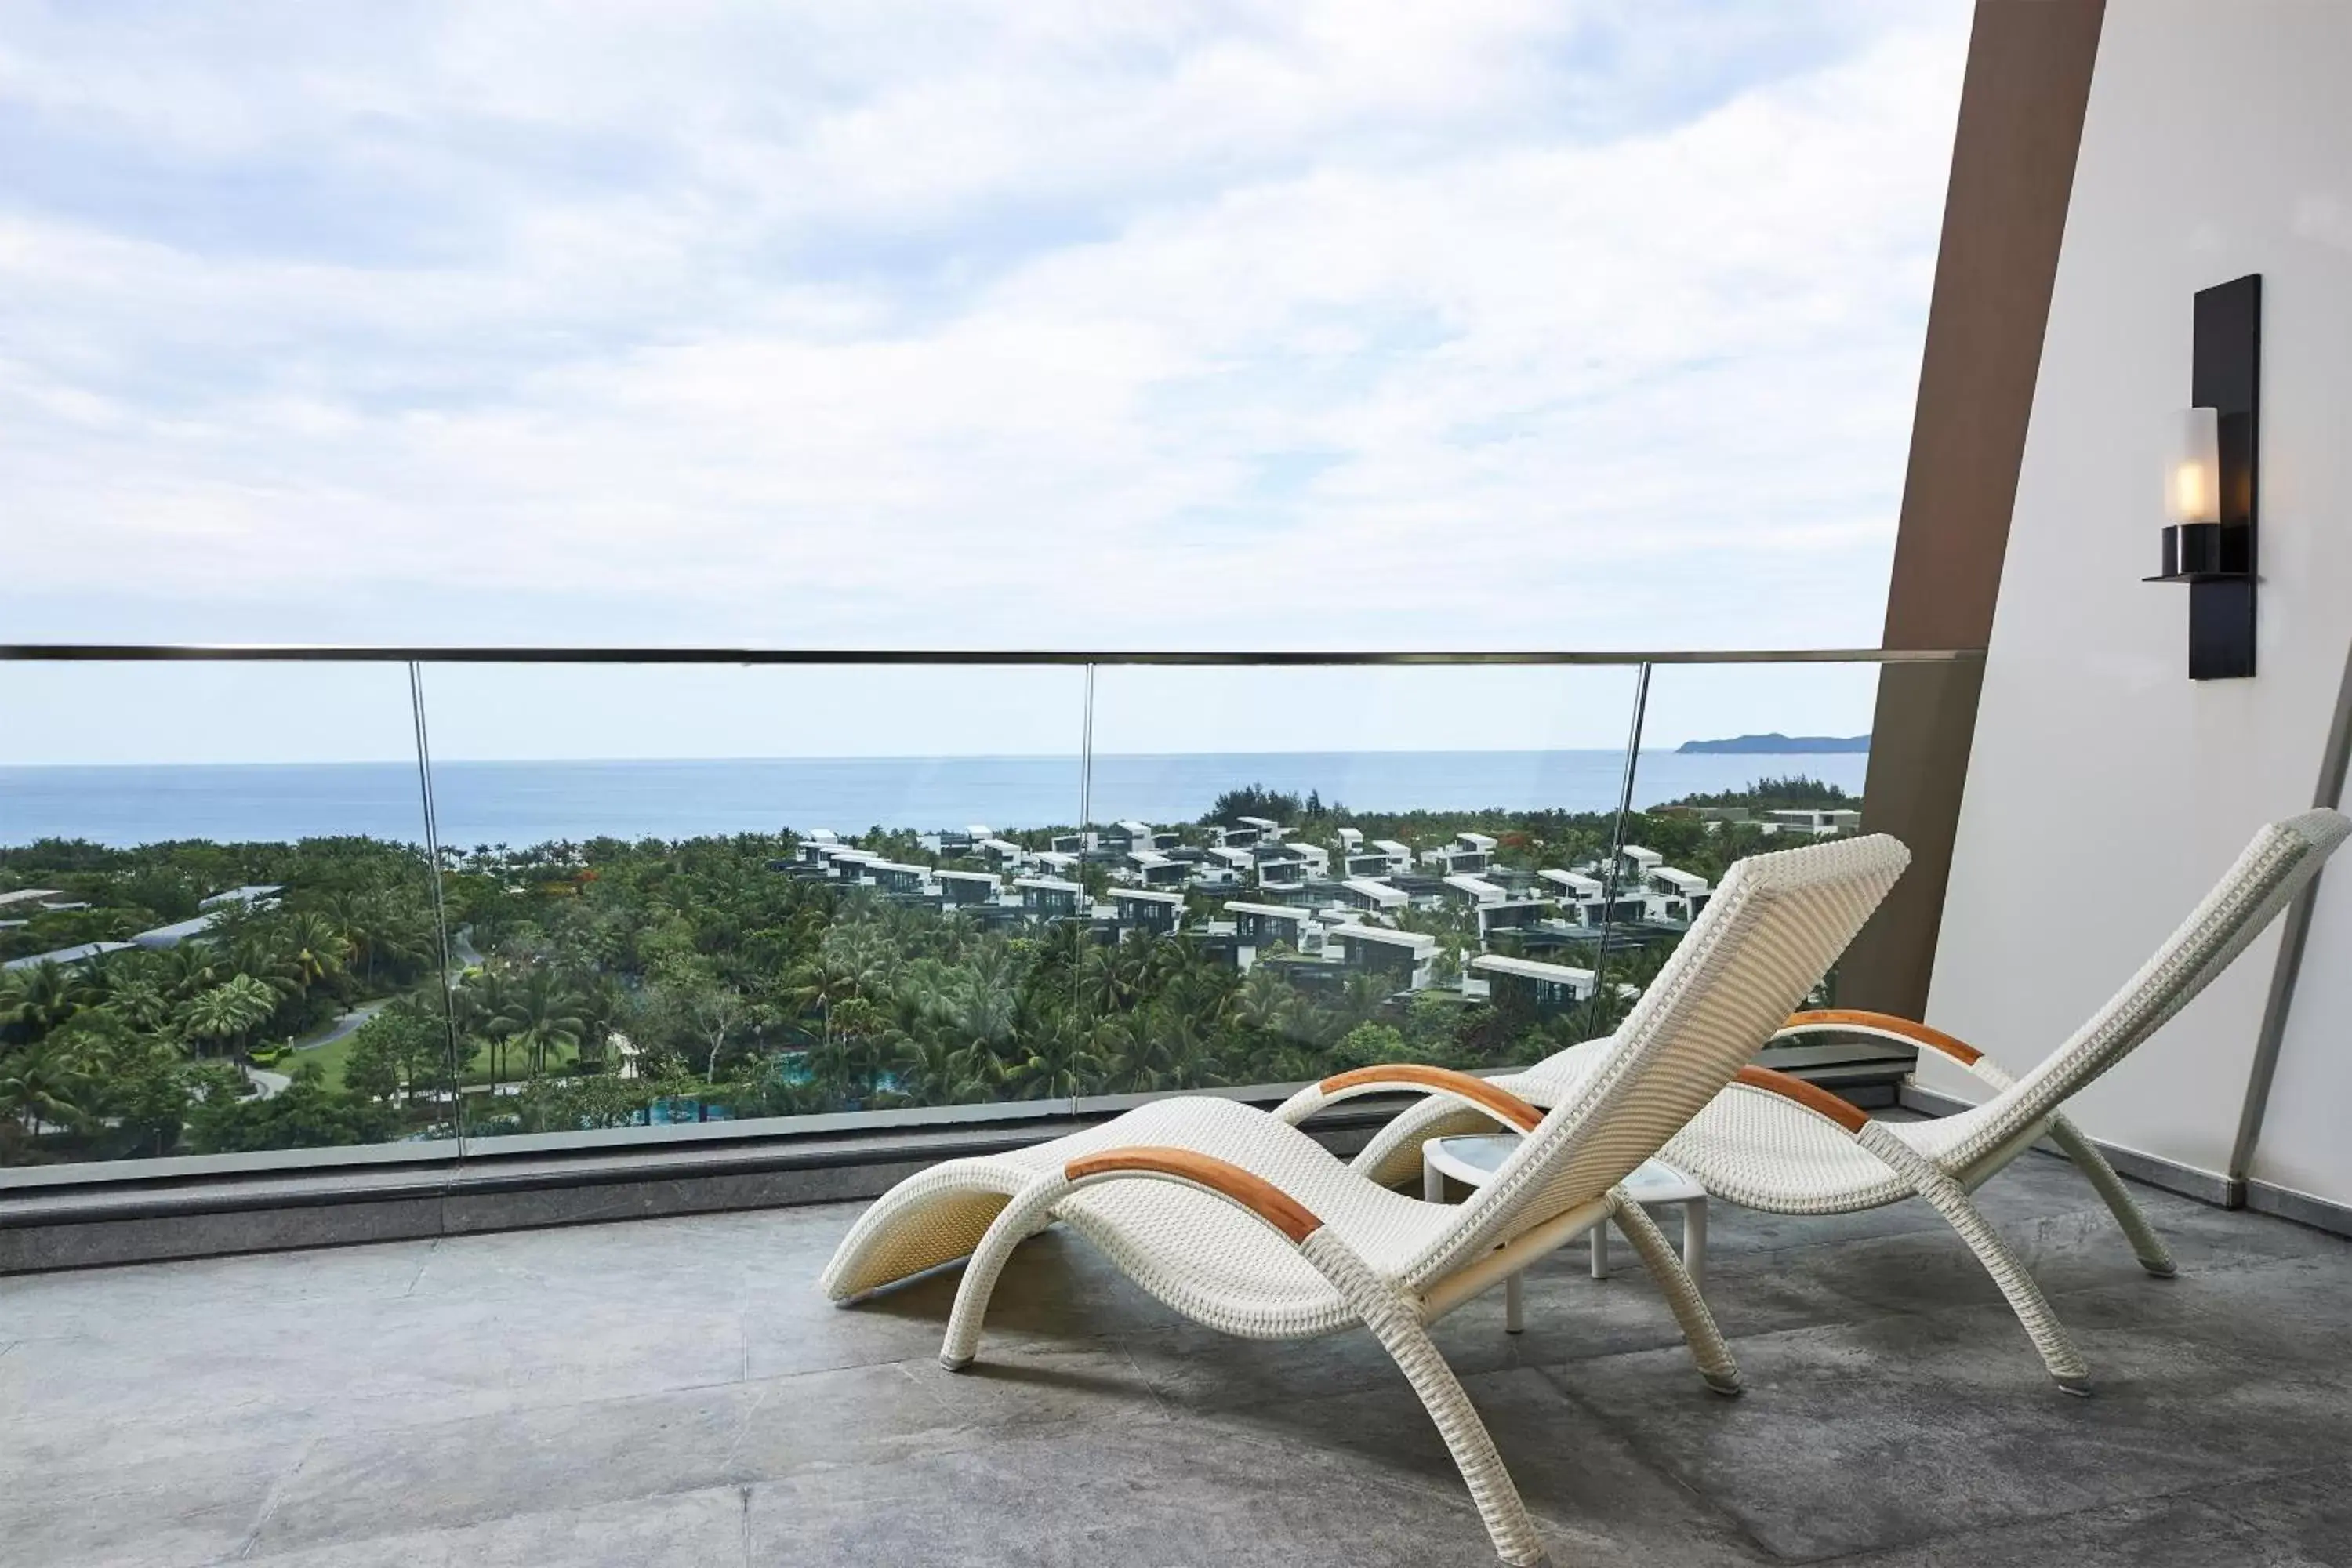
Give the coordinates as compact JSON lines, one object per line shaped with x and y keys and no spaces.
{"x":1503,"y":325}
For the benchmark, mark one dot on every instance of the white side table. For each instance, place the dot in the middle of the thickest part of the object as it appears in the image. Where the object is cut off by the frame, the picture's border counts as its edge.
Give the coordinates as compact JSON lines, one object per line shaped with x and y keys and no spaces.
{"x":1473,"y":1161}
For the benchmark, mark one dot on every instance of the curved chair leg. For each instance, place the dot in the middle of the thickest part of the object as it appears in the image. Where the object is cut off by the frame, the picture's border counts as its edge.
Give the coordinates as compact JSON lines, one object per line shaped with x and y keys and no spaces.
{"x":2049,"y":1337}
{"x":1015,"y":1223}
{"x":924,"y":1223}
{"x":1398,"y":1327}
{"x":1691,"y":1311}
{"x":2145,"y":1245}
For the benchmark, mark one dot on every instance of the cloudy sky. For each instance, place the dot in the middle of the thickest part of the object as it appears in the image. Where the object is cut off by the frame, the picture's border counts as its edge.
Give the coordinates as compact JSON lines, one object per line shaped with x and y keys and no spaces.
{"x":1488,"y":324}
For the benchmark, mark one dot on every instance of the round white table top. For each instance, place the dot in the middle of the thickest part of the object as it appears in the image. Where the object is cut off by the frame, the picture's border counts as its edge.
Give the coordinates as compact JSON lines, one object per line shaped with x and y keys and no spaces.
{"x":1474,"y":1161}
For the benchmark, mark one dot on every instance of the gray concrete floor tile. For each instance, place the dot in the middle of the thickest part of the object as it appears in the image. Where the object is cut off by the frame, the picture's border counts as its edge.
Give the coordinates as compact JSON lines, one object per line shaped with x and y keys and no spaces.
{"x":2307,"y":1515}
{"x":676,"y":1393}
{"x":1899,"y":1428}
{"x":360,"y":1485}
{"x":200,"y":1505}
{"x":362,"y":1364}
{"x":2157,"y":1532}
{"x":1592,"y":1494}
{"x":135,"y":1296}
{"x":682,"y":1530}
{"x":576,"y":1455}
{"x":1169,"y":1497}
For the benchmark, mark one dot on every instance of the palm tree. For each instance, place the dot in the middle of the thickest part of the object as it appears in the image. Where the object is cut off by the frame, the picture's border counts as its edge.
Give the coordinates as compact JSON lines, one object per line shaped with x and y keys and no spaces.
{"x":858,"y":1042}
{"x":314,"y":948}
{"x":374,"y":926}
{"x":1360,"y":998}
{"x":140,"y":1001}
{"x":36,"y":999}
{"x":1056,"y":1063}
{"x":935,"y":1070}
{"x":1263,"y":997}
{"x":187,"y":969}
{"x":829,"y":978}
{"x":43,"y":1084}
{"x":542,"y":1016}
{"x":1102,"y":981}
{"x":257,"y":953}
{"x":230,"y":1011}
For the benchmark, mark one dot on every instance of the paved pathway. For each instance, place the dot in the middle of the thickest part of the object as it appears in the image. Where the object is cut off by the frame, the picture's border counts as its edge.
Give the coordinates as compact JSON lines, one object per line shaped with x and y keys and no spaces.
{"x":346,"y":1024}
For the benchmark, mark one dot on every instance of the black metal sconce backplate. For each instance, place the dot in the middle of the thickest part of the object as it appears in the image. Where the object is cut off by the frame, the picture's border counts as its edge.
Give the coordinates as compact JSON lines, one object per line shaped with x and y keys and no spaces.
{"x":2226,"y":376}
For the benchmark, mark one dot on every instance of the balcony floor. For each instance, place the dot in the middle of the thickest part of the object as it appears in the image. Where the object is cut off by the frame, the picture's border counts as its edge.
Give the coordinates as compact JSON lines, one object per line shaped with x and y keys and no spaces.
{"x":671,"y":1393}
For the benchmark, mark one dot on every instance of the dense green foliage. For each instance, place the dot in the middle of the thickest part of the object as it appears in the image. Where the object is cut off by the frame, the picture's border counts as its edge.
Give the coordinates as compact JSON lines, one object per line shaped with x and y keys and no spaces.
{"x":607,"y":983}
{"x":1765,"y":794}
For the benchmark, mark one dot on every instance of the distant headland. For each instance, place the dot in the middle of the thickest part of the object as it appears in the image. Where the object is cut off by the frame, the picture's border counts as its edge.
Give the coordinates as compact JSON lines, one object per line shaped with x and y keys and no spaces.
{"x":1778,"y":744}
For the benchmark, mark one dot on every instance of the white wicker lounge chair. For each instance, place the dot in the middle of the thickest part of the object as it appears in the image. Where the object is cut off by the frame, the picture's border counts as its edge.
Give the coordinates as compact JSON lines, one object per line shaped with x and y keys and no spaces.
{"x":1773,"y":1142}
{"x":1238,"y":1220}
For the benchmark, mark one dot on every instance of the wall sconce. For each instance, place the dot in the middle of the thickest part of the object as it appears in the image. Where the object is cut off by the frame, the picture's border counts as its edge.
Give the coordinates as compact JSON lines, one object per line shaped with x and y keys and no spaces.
{"x":2210,"y":481}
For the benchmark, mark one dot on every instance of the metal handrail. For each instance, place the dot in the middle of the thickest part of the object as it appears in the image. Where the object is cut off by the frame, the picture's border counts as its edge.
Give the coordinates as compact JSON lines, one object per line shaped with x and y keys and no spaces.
{"x":98,"y":653}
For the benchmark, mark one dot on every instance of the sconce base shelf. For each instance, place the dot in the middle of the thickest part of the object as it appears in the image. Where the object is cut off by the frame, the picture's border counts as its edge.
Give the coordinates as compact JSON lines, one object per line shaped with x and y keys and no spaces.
{"x":2206,"y":553}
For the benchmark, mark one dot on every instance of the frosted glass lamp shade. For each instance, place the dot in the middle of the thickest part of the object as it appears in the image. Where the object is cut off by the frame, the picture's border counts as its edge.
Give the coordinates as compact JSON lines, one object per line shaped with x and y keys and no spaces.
{"x":2192,"y":478}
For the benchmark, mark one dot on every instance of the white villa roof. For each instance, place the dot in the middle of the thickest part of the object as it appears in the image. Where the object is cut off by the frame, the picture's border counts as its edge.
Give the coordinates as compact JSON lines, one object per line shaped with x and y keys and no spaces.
{"x":251,"y":893}
{"x":1138,"y":829}
{"x":1235,"y":857}
{"x":1574,"y":882}
{"x":897,"y":865}
{"x":1262,"y":823}
{"x":1531,"y":969}
{"x":822,"y":834}
{"x":1392,"y":849}
{"x":1420,"y":941}
{"x":172,"y":935}
{"x":1047,"y":885}
{"x":1058,"y":861}
{"x":1682,"y":881}
{"x":1148,"y":858}
{"x":980,"y":830}
{"x":67,"y":955}
{"x":1350,"y":837}
{"x":1277,"y":911}
{"x":25,"y":895}
{"x":1148,"y":895}
{"x":1002,"y":846}
{"x":1380,"y":892}
{"x":1315,"y":852}
{"x":856,"y":857}
{"x":987,"y":877}
{"x":1634,"y":852}
{"x":1478,"y":841}
{"x":1478,"y":887}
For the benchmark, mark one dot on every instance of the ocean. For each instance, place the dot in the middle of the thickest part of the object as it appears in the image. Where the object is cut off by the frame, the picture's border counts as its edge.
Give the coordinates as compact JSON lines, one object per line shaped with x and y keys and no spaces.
{"x":528,"y":802}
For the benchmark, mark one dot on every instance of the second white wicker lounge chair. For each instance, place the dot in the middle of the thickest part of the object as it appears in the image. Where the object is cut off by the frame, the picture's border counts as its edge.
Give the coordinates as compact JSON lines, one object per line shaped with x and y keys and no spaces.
{"x":1773,"y":1142}
{"x":1240,"y":1221}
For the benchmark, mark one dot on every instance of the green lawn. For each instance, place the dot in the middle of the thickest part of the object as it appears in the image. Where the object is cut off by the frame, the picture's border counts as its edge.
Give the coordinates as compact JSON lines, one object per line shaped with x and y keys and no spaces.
{"x":330,"y":1060}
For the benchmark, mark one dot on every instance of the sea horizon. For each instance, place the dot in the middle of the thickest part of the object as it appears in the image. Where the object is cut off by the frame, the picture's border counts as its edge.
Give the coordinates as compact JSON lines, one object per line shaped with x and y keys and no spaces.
{"x":537,"y":800}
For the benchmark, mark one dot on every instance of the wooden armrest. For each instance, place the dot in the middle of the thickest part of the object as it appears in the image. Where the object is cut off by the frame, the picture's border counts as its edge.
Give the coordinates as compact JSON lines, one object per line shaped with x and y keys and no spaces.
{"x":1856,"y":1021}
{"x":1254,"y":1193}
{"x":1499,"y":1102}
{"x":1845,"y":1113}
